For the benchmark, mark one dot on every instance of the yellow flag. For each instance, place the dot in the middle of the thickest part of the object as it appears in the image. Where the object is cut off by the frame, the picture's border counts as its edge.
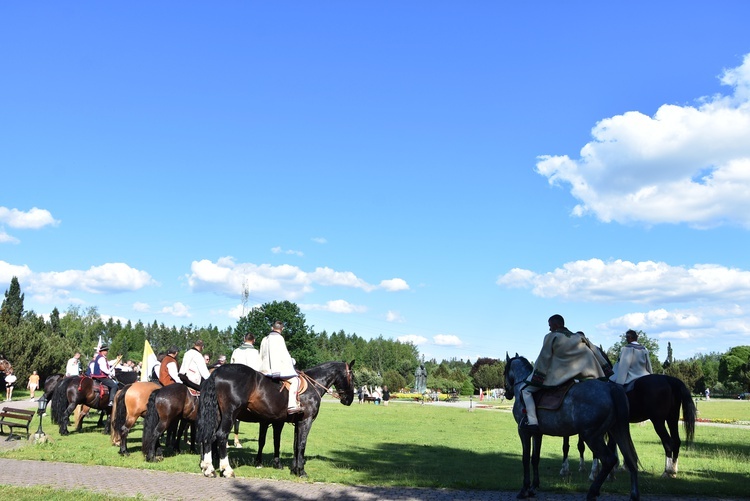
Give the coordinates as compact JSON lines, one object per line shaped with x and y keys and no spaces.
{"x":149,"y":360}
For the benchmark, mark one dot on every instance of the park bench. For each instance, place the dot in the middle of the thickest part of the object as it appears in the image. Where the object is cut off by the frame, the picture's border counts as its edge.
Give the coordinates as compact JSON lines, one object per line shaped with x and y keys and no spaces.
{"x":369,"y":399}
{"x":15,"y":418}
{"x":453,"y":397}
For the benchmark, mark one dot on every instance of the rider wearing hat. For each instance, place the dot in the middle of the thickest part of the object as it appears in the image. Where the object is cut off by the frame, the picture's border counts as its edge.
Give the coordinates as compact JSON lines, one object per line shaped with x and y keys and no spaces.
{"x":103,"y":373}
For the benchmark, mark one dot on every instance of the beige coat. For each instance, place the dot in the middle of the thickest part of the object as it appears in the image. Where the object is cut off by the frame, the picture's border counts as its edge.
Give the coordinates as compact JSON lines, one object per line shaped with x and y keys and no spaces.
{"x":634,"y":363}
{"x":567,"y":355}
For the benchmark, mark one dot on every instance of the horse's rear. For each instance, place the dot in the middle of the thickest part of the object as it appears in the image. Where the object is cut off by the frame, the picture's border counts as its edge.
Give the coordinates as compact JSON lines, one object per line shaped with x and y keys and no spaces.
{"x":659,"y":398}
{"x":165,"y":406}
{"x":130,"y":404}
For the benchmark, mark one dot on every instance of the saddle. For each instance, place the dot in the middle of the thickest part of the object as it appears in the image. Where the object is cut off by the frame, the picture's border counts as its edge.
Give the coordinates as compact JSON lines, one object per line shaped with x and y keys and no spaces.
{"x":98,"y":387}
{"x":285,"y":384}
{"x":551,"y":398}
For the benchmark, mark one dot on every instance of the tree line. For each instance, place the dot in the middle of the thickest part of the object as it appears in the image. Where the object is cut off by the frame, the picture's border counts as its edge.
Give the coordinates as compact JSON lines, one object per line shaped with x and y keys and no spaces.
{"x":31,"y":342}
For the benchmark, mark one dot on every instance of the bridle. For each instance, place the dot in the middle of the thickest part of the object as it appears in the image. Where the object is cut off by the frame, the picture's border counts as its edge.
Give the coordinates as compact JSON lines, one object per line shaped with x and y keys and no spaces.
{"x":327,"y":389}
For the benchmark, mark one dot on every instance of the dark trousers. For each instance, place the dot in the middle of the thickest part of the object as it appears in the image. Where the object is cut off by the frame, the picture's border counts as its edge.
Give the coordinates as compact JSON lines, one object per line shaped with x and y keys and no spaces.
{"x":111,"y":385}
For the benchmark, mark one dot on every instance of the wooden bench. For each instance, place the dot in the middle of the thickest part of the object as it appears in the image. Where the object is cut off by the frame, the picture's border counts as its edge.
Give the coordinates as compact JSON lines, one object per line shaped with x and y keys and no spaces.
{"x":453,"y":397}
{"x":369,"y":399}
{"x":16,"y":418}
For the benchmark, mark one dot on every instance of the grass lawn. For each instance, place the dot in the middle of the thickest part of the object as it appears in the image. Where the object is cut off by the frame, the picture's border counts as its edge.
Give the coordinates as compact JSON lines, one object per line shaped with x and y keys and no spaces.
{"x":407,"y":444}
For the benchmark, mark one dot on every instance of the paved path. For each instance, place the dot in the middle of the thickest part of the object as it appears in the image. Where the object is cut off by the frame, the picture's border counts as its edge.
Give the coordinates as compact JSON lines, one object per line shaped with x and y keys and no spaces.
{"x":149,"y":484}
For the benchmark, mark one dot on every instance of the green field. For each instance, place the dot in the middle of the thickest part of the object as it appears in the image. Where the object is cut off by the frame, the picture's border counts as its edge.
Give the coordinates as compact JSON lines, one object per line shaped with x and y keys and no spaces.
{"x":411,"y":445}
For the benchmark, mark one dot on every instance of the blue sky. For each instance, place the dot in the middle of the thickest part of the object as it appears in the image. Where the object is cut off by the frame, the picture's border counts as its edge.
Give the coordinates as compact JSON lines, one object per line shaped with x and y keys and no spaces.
{"x":448,"y":173}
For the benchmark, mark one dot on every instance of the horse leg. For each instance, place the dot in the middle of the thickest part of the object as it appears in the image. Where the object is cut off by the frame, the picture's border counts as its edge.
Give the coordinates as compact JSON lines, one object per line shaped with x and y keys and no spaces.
{"x":536,"y":450}
{"x":237,"y":443}
{"x":606,"y":456}
{"x":526,"y":490}
{"x":64,"y":419}
{"x":277,"y":429}
{"x":670,"y":470}
{"x":262,"y":432}
{"x":124,"y":430}
{"x":565,"y":470}
{"x":581,"y":454}
{"x":221,"y":442}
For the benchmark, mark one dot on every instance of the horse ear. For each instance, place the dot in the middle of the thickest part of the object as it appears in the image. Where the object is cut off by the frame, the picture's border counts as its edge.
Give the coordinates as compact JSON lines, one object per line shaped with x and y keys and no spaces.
{"x":516,"y":354}
{"x":351,"y":364}
{"x":507,"y":358}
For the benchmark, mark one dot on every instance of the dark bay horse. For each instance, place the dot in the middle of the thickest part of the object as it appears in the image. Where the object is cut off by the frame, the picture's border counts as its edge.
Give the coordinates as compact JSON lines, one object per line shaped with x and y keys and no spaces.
{"x":658,"y":398}
{"x":130,"y":404}
{"x":74,"y":391}
{"x":167,"y":407}
{"x":235,"y":391}
{"x":50,"y":383}
{"x":591,"y":409}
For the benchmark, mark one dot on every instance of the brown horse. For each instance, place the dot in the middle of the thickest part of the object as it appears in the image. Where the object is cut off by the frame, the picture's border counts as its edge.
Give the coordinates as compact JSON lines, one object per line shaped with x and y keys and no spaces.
{"x":130,"y":404}
{"x":165,"y":407}
{"x":74,"y":391}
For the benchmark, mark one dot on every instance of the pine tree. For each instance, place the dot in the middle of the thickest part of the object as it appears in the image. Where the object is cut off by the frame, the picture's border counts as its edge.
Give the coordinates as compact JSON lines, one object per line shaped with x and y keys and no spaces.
{"x":12,"y":308}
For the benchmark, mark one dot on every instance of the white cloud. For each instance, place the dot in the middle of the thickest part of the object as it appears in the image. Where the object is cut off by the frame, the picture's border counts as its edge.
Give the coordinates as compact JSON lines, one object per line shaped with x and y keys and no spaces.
{"x":327,"y":276}
{"x":683,"y":165}
{"x":7,"y":239}
{"x":394,"y":284}
{"x":31,"y":220}
{"x":109,"y":277}
{"x":279,"y":250}
{"x":413,"y":339}
{"x":336,"y":306}
{"x":8,"y":271}
{"x":141,"y":307}
{"x":319,"y":240}
{"x":393,"y":316}
{"x":446,"y":340}
{"x":177,"y":309}
{"x":643,"y":282}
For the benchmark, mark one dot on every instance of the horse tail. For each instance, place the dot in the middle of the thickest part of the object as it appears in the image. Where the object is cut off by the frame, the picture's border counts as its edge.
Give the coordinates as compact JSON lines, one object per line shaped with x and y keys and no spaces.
{"x":621,"y":428}
{"x":688,"y":411}
{"x":150,"y":423}
{"x":208,"y":412}
{"x":119,"y":415}
{"x":59,"y":401}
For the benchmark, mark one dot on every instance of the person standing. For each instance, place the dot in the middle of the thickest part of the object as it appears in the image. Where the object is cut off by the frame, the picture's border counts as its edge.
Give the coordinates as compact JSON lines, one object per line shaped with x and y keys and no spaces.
{"x":10,"y":383}
{"x":73,"y":367}
{"x":247,"y":354}
{"x":103,"y":373}
{"x":386,"y":395}
{"x":193,"y":369}
{"x":275,"y":361}
{"x":168,"y":370}
{"x":634,"y":361}
{"x":565,"y":355}
{"x":33,"y":384}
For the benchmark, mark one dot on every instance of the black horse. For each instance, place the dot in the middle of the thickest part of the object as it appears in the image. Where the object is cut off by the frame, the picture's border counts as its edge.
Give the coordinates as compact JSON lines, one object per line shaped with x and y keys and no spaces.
{"x":591,"y":409}
{"x":235,"y":391}
{"x":658,"y":398}
{"x":50,"y":383}
{"x":166,"y":408}
{"x":79,"y":390}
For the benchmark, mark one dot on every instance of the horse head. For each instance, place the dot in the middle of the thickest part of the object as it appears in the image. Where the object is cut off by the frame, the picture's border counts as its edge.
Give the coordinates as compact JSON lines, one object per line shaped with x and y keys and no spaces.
{"x":345,"y":385}
{"x":516,"y":369}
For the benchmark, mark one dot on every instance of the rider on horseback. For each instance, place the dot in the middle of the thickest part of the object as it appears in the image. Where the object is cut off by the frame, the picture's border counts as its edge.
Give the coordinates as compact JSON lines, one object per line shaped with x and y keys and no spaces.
{"x":103,"y":373}
{"x":276,"y":362}
{"x":634,"y":361}
{"x":168,"y":370}
{"x":193,"y":369}
{"x":565,"y":355}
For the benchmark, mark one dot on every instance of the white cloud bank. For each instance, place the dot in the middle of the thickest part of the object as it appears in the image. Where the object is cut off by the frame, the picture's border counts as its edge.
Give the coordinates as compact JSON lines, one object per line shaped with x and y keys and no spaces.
{"x":335,"y":306}
{"x":285,"y":281}
{"x":684,"y":164}
{"x":595,"y":280}
{"x":34,"y":219}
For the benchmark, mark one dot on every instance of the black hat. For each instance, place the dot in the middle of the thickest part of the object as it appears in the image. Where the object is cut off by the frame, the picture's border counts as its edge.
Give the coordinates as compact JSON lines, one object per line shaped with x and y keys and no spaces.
{"x":104,"y":347}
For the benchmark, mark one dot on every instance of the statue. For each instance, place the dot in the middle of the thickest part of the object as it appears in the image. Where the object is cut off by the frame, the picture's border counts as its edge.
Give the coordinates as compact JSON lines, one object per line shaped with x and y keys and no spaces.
{"x":420,"y":379}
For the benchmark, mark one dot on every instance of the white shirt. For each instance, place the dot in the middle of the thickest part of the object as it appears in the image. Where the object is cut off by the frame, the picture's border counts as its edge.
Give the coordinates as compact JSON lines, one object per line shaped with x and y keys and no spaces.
{"x":194,"y":366}
{"x":246,"y":354}
{"x":275,"y":359}
{"x":73,"y":368}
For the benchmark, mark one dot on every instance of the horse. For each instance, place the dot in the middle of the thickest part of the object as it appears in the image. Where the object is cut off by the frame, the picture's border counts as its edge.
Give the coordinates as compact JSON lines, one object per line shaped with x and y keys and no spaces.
{"x":591,"y":409}
{"x":165,"y":407}
{"x":130,"y":404}
{"x":50,"y":383}
{"x":658,"y":398}
{"x":235,"y":391}
{"x":74,"y":391}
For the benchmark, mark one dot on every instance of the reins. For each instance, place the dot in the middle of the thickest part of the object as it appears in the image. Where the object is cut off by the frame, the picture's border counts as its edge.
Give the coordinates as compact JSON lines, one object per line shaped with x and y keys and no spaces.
{"x":327,"y":389}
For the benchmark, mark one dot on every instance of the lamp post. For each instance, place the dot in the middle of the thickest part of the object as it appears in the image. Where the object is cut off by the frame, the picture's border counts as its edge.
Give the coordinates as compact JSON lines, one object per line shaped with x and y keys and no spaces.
{"x":42,"y":403}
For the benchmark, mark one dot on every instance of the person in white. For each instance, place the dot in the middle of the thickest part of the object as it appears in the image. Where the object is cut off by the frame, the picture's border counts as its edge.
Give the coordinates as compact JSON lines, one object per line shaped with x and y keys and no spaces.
{"x":247,"y":354}
{"x":275,"y":361}
{"x":73,"y":367}
{"x":634,"y":361}
{"x":193,"y":367}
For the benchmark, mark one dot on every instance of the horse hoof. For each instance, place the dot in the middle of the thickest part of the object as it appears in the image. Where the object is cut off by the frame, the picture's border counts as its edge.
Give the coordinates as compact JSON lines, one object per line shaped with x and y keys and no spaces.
{"x":124,"y":453}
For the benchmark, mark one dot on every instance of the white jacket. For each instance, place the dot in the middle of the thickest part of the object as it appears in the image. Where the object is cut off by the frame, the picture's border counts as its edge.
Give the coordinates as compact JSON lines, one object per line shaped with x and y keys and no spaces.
{"x":246,"y":354}
{"x":194,"y":366}
{"x":275,"y":359}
